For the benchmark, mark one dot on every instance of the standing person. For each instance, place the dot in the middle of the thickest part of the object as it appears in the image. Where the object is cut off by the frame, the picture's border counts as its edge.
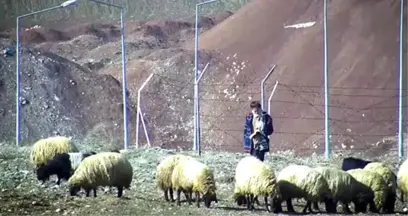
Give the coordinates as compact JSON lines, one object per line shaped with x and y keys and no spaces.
{"x":258,"y":126}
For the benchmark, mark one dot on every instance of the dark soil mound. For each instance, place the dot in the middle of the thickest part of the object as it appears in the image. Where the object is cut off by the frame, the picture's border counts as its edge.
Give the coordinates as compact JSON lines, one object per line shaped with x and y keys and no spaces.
{"x":107,"y":32}
{"x":42,"y":34}
{"x":59,"y":97}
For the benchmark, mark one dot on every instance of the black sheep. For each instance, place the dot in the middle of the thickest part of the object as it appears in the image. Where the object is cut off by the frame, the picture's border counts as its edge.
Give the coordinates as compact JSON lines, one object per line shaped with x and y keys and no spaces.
{"x":62,"y":165}
{"x":350,"y":163}
{"x":115,"y":150}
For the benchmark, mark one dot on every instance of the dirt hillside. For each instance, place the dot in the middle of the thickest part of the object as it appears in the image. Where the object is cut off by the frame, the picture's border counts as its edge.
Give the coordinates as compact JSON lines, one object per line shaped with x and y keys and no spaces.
{"x":363,"y":65}
{"x":95,"y":48}
{"x":363,"y":68}
{"x":59,"y":97}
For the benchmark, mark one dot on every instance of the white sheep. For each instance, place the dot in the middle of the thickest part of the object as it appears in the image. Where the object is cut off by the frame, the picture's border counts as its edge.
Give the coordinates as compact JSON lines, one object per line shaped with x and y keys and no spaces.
{"x":300,"y":181}
{"x":343,"y":186}
{"x":254,"y":178}
{"x":164,"y":172}
{"x":102,"y":169}
{"x":391,"y":180}
{"x":193,"y":176}
{"x":45,"y":149}
{"x":402,"y":179}
{"x":376,"y":194}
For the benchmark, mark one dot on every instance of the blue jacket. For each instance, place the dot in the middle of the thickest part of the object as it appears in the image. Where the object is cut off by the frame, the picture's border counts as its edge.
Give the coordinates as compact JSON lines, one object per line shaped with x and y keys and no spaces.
{"x":248,"y":130}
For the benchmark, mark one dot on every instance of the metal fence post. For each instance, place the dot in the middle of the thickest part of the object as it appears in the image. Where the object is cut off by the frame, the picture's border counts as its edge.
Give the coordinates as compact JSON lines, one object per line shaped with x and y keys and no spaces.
{"x":197,"y":83}
{"x":270,"y":97}
{"x":196,"y":141}
{"x":138,"y":107}
{"x":263,"y":85}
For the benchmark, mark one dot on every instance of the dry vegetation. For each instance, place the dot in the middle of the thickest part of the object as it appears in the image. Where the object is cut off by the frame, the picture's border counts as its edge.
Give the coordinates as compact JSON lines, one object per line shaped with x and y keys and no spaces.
{"x":21,"y":194}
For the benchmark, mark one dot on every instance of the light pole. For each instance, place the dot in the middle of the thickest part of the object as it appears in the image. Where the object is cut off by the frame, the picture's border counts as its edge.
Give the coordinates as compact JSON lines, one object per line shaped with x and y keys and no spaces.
{"x":401,"y":86}
{"x":196,"y":75}
{"x":18,"y":106}
{"x":326,"y":86}
{"x":63,"y":5}
{"x":124,"y":82}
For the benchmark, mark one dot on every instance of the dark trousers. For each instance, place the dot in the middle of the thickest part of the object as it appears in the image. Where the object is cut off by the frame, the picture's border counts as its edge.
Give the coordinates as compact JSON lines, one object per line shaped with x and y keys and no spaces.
{"x":258,"y":154}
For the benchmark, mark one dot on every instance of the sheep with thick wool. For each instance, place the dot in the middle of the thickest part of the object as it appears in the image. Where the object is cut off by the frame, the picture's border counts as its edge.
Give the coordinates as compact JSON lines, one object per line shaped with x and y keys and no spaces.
{"x":301,"y":181}
{"x":402,"y":179}
{"x":102,"y":169}
{"x":164,"y":173}
{"x":193,"y":176}
{"x":375,"y":197}
{"x":343,"y":186}
{"x":45,"y":149}
{"x":390,"y":178}
{"x":254,"y":178}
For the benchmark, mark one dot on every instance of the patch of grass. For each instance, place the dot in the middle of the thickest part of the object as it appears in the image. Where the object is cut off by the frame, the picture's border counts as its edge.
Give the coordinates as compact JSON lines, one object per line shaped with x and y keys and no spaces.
{"x":21,"y":193}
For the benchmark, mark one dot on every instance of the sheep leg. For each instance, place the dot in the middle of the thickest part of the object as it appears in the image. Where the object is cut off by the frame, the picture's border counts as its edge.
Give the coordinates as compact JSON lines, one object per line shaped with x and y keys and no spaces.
{"x":289,"y":205}
{"x":197,"y":196}
{"x":316,"y":206}
{"x":308,"y":207}
{"x":120,"y":191}
{"x":248,"y":199}
{"x":63,"y":175}
{"x":266,"y":204}
{"x":276,"y":205}
{"x":171,"y":195}
{"x":166,"y":198}
{"x":256,"y":200}
{"x":189,"y":196}
{"x":178,"y":197}
{"x":390,"y":203}
{"x":94,"y":190}
{"x":252,"y":198}
{"x":58,"y":180}
{"x":87,"y":192}
{"x":346,"y":208}
{"x":360,"y":207}
{"x":373,"y":208}
{"x":330,"y":205}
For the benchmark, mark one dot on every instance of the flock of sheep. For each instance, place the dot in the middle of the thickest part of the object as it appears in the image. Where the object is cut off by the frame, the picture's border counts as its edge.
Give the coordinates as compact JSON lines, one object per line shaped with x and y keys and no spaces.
{"x":363,"y":183}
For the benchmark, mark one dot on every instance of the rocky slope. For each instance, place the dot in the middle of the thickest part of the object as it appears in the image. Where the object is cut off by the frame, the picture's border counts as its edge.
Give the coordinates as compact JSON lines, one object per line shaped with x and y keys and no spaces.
{"x":59,"y":96}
